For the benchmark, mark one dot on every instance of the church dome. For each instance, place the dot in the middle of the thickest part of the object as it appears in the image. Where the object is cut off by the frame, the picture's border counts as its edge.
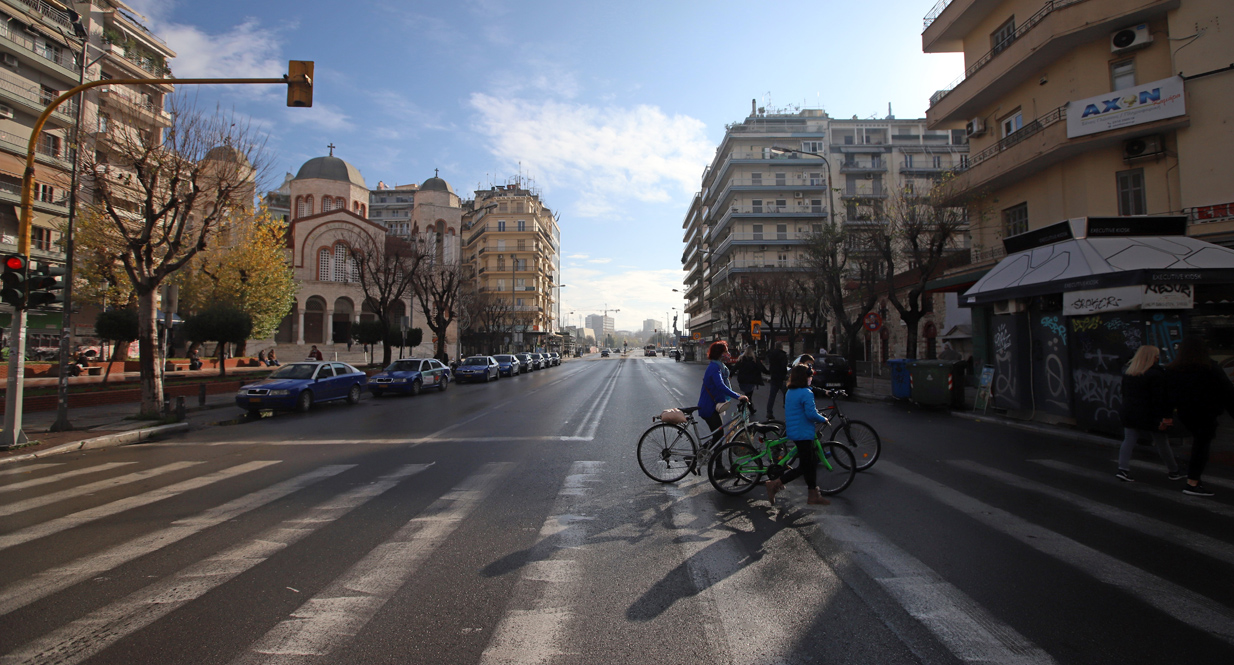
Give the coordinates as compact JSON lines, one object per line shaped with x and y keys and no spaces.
{"x":225,"y":153}
{"x":330,"y":168}
{"x":436,"y":184}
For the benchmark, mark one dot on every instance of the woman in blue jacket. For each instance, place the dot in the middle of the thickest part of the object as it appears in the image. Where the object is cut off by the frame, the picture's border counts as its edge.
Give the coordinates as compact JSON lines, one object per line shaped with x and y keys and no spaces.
{"x":715,"y":389}
{"x":800,"y":416}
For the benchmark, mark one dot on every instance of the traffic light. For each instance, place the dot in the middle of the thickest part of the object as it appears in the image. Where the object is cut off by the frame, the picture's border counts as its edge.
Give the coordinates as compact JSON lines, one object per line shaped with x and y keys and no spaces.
{"x":300,"y":83}
{"x":14,"y":277}
{"x":45,"y":286}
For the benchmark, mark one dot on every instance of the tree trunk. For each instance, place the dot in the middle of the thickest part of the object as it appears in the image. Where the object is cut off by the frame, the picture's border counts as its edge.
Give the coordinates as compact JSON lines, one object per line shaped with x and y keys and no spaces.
{"x":148,"y":354}
{"x":912,"y":321}
{"x":222,"y":351}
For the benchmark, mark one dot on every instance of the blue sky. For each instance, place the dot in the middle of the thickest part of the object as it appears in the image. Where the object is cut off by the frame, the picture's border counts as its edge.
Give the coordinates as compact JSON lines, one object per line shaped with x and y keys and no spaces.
{"x":613,"y":109}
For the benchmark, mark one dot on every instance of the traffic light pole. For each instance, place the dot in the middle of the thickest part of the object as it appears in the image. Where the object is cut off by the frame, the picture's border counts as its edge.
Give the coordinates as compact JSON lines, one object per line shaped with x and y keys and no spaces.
{"x":299,"y":83}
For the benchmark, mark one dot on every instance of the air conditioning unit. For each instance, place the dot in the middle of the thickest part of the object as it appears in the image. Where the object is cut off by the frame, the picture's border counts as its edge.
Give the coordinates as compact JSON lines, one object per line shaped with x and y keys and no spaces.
{"x":6,"y":112}
{"x":1131,"y":38}
{"x":974,"y":127}
{"x":798,"y":195}
{"x":1145,"y":146}
{"x":10,"y":61}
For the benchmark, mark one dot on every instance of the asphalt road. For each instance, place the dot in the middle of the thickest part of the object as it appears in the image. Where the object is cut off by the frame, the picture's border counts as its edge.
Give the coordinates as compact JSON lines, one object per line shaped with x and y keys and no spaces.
{"x":509,"y":523}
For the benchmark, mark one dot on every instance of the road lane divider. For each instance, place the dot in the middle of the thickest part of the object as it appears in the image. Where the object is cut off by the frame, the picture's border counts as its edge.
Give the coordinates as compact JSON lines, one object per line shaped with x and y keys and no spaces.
{"x":91,"y":488}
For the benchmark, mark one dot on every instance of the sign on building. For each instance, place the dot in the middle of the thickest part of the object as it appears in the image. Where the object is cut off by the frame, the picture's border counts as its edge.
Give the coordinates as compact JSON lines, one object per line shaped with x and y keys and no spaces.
{"x":1124,"y":108}
{"x":1127,"y":298}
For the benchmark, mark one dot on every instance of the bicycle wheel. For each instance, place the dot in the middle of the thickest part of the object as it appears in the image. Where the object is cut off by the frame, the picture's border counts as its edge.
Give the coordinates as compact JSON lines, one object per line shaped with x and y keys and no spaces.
{"x":666,"y":453}
{"x":837,"y":468}
{"x":736,"y":468}
{"x":860,"y":438}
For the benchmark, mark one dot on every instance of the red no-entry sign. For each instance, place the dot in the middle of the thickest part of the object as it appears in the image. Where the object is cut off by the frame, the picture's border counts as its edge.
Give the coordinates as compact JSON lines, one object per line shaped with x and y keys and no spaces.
{"x":872,"y":322}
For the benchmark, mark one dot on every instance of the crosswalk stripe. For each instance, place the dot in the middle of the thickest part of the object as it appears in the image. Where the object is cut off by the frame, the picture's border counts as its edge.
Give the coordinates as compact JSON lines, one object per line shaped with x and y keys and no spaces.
{"x":89,"y":635}
{"x":120,"y":505}
{"x":1146,"y":525}
{"x":533,"y":635}
{"x":28,"y":468}
{"x":486,"y":439}
{"x":1208,"y":480}
{"x":337,"y":613}
{"x":1176,"y":601}
{"x":55,"y":497}
{"x":56,"y":579}
{"x":1174,"y":494}
{"x":34,"y":482}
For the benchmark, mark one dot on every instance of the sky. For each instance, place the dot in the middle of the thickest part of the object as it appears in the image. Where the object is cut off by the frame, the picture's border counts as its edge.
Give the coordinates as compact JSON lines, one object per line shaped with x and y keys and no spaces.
{"x":611,"y":110}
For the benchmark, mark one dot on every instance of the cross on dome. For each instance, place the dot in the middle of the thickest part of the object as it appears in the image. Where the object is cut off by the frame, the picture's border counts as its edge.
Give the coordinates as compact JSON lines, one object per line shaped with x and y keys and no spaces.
{"x":331,"y":147}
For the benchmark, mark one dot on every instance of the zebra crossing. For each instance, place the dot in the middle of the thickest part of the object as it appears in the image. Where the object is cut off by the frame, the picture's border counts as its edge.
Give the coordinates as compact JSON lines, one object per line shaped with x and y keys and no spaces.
{"x":735,"y":556}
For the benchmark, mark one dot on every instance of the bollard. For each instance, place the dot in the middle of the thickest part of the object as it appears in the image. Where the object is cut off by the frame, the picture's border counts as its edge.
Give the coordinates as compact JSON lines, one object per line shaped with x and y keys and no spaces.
{"x":181,"y":410}
{"x":201,"y":395}
{"x":166,"y":406}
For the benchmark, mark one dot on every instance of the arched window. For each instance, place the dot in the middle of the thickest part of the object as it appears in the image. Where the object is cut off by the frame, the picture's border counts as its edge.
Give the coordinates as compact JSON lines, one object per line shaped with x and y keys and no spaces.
{"x":340,"y":263}
{"x":363,"y":210}
{"x":355,"y":206}
{"x":353,"y":272}
{"x":327,"y":203}
{"x":323,"y":264}
{"x":308,"y":204}
{"x":300,"y":207}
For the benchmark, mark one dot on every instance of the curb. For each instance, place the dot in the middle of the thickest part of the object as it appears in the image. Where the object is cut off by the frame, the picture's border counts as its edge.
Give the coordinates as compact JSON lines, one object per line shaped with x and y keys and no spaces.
{"x":1082,"y":437}
{"x":108,"y":441}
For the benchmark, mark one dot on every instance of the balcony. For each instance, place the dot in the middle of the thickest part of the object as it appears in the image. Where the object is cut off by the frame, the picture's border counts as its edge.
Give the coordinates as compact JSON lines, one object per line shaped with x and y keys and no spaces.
{"x":864,"y":192}
{"x":948,"y":21}
{"x":42,"y":154}
{"x":1058,"y":27}
{"x":747,"y":265}
{"x":33,"y":100}
{"x":859,"y":167}
{"x":770,"y":186}
{"x":126,"y":101}
{"x":909,"y":168}
{"x":1043,"y":143}
{"x":791,"y":211}
{"x":38,"y":251}
{"x":50,"y":58}
{"x":757,"y":157}
{"x":761,"y":239}
{"x":10,"y":193}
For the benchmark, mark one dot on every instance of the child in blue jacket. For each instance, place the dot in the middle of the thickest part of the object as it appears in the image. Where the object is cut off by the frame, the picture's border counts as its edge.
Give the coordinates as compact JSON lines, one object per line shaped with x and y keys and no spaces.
{"x":800,"y":416}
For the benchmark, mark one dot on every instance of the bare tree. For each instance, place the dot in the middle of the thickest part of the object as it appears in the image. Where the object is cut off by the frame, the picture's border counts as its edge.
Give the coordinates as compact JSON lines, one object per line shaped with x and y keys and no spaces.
{"x":840,"y":265}
{"x":489,"y":319}
{"x":384,"y":265}
{"x":438,"y":286}
{"x":161,"y":197}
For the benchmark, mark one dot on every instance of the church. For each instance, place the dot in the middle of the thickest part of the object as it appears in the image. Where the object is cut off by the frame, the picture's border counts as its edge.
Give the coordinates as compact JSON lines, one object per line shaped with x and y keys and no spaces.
{"x":329,"y":208}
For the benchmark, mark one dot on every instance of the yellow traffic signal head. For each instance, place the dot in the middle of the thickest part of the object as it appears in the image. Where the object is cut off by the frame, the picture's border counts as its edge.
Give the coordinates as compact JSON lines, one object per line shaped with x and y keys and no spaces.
{"x":300,"y":83}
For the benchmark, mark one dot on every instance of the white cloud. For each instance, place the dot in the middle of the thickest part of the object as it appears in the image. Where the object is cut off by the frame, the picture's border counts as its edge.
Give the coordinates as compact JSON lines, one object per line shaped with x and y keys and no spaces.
{"x":607,"y":154}
{"x":599,"y":261}
{"x":245,"y":51}
{"x":322,"y":116}
{"x":577,"y":256}
{"x":639,"y":294}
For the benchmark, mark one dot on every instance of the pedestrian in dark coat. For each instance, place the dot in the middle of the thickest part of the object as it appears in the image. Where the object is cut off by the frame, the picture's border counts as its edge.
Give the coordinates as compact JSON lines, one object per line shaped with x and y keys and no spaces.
{"x":777,"y":369}
{"x":1145,"y":411}
{"x":750,"y":373}
{"x":1199,"y":390}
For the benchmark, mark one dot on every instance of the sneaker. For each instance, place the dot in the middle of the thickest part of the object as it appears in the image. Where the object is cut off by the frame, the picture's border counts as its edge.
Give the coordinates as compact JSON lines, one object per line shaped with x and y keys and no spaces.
{"x":1175,"y":475}
{"x":1124,"y":476}
{"x":1196,"y":490}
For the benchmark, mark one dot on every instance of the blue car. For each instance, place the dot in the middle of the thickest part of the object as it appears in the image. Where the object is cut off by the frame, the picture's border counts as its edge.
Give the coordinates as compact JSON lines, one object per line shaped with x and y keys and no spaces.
{"x":508,"y":364}
{"x":478,"y":368}
{"x":300,"y":385}
{"x":410,"y":376}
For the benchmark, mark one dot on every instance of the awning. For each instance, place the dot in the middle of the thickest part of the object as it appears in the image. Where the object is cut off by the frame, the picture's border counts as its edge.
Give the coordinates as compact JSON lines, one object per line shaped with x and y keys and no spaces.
{"x":960,"y":331}
{"x":1081,"y":264}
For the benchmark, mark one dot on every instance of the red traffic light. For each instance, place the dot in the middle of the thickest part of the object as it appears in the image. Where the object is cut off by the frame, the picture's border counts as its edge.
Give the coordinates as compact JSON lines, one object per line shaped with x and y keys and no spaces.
{"x":15,"y":262}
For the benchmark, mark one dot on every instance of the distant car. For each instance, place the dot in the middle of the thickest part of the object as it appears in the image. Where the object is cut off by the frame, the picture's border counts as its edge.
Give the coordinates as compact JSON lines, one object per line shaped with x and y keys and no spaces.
{"x":650,"y":352}
{"x":529,"y":363}
{"x":604,"y":353}
{"x":833,"y":372}
{"x":508,"y":364}
{"x":541,"y":361}
{"x":410,"y":375}
{"x":300,"y":385}
{"x":556,"y":358}
{"x":478,"y":368}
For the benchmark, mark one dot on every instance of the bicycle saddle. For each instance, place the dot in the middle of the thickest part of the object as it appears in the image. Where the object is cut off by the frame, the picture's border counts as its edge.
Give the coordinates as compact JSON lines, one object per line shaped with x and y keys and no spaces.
{"x":688,"y":409}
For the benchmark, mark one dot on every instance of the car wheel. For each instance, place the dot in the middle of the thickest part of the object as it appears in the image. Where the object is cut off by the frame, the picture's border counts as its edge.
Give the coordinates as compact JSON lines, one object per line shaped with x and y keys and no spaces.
{"x":305,"y":401}
{"x":253,"y":413}
{"x":353,"y":395}
{"x":376,"y":393}
{"x":415,"y":387}
{"x":444,"y":382}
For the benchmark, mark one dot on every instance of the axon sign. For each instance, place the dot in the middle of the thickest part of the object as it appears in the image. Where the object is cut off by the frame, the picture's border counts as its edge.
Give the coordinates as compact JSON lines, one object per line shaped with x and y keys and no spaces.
{"x":1126,"y":108}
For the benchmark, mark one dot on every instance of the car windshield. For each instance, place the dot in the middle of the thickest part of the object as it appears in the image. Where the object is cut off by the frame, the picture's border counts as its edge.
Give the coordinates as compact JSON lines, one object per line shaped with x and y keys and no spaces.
{"x":404,"y":366}
{"x":476,"y":361}
{"x":504,"y":359}
{"x":523,"y":356}
{"x":301,"y":371}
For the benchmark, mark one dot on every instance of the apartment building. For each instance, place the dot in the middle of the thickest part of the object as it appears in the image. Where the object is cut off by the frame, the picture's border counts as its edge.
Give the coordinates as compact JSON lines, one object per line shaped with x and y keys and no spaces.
{"x":392,"y":207}
{"x":1099,"y":129}
{"x":513,"y":245}
{"x":601,"y":324}
{"x":41,"y":57}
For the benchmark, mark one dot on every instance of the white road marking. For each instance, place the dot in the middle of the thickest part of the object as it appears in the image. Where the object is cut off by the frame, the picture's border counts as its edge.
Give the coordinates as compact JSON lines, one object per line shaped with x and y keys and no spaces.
{"x":54,"y":497}
{"x":28,"y":468}
{"x":98,"y":630}
{"x":591,"y":421}
{"x":1175,"y":493}
{"x":50,"y":581}
{"x":34,"y":482}
{"x":1146,"y":525}
{"x":337,"y":613}
{"x":120,"y":505}
{"x":1176,"y":601}
{"x":401,"y":442}
{"x":532,"y":628}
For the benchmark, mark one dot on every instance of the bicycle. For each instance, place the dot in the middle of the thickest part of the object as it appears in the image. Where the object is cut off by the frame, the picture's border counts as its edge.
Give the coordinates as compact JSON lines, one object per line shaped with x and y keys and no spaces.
{"x":858,"y":435}
{"x":736,"y":468}
{"x":668,"y":452}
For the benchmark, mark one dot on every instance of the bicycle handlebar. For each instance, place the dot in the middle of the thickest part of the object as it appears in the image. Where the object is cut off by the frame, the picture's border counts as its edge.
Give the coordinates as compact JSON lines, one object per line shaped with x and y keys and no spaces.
{"x":833,"y":394}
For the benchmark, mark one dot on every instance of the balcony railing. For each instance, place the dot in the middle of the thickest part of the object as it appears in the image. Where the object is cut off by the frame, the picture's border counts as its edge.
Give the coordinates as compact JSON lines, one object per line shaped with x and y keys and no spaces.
{"x":933,"y":168}
{"x":935,"y":12}
{"x":1020,"y":31}
{"x":35,"y":96}
{"x":1016,"y":137}
{"x":65,"y":58}
{"x":15,"y":190}
{"x":53,"y":14}
{"x":131,"y":99}
{"x":858,"y":167}
{"x":869,"y":192}
{"x":988,"y":254}
{"x":147,"y":63}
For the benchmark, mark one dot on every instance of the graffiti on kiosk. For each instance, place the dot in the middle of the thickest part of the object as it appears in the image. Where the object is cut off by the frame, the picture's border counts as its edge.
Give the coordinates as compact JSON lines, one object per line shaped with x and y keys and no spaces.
{"x":1005,"y":382}
{"x":1085,"y":323}
{"x":1053,"y":323}
{"x":1096,"y":304}
{"x":1102,"y":392}
{"x":1163,"y":289}
{"x":1103,"y":359}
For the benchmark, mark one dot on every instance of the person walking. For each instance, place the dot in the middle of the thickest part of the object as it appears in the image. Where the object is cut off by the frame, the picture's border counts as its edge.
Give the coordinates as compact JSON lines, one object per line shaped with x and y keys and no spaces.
{"x":715,"y":389}
{"x":750,"y":373}
{"x":1145,"y":411}
{"x":800,"y":417}
{"x":314,"y":353}
{"x":777,"y":369}
{"x":1200,"y":391}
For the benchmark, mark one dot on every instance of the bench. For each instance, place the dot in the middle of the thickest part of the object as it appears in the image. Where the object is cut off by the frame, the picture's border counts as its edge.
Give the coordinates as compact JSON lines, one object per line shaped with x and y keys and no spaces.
{"x":93,"y":370}
{"x":176,"y":367}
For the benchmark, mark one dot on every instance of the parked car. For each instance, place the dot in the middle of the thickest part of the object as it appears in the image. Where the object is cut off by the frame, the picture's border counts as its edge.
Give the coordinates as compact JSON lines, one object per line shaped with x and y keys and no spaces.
{"x":509,"y":364}
{"x":529,"y":363}
{"x":542,"y":360}
{"x":478,"y":368}
{"x":833,"y":372}
{"x":410,"y":375}
{"x":301,"y":385}
{"x":556,"y":358}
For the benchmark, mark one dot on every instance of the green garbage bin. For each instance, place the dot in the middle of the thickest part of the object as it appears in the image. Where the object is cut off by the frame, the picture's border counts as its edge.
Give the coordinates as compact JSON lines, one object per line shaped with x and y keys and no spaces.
{"x":932,"y":381}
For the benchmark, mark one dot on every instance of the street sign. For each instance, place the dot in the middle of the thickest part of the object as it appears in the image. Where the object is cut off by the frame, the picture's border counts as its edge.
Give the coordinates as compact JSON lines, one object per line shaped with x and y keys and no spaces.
{"x":872,"y":322}
{"x":698,"y":335}
{"x":756,"y":329}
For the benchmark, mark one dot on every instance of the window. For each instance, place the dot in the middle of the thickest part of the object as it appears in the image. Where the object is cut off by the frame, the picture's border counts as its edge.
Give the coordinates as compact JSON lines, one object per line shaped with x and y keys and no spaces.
{"x":41,"y":238}
{"x":813,"y":146}
{"x":327,"y":203}
{"x":1131,"y":198}
{"x":503,"y":207}
{"x":501,"y":225}
{"x":45,"y":193}
{"x":308,"y":204}
{"x":49,"y":95}
{"x":501,"y":245}
{"x":323,"y":264}
{"x":522,"y":245}
{"x":758,"y":231}
{"x":49,"y":144}
{"x":816,"y":205}
{"x":756,"y":206}
{"x":300,"y":206}
{"x":1003,"y":37}
{"x":501,"y":263}
{"x":340,"y":263}
{"x":756,"y":178}
{"x":816,"y":179}
{"x":520,"y":284}
{"x":908,"y":161}
{"x":781,"y":179}
{"x":1122,"y":74}
{"x":1012,"y":123}
{"x":781,"y":231}
{"x":938,"y":161}
{"x":522,"y":225}
{"x":1015,"y":220}
{"x":782,"y":260}
{"x":781,"y":205}
{"x":958,"y":137}
{"x":104,"y":122}
{"x":876,"y":162}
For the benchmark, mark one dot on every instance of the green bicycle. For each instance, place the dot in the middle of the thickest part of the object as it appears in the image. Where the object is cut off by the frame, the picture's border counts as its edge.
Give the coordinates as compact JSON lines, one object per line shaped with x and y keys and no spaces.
{"x":738,"y":467}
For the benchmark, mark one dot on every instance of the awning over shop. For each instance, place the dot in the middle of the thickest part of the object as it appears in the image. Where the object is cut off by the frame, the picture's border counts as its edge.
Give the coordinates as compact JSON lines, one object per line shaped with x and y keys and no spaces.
{"x":1098,"y":253}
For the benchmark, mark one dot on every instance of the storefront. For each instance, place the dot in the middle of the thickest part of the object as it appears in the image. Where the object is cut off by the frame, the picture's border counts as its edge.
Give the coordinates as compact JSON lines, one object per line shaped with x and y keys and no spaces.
{"x":1060,"y":316}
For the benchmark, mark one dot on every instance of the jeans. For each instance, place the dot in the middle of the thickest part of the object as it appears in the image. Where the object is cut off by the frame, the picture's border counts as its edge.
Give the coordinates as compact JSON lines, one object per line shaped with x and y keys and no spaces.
{"x":714,"y":422}
{"x":1130,"y":436}
{"x":808,"y":468}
